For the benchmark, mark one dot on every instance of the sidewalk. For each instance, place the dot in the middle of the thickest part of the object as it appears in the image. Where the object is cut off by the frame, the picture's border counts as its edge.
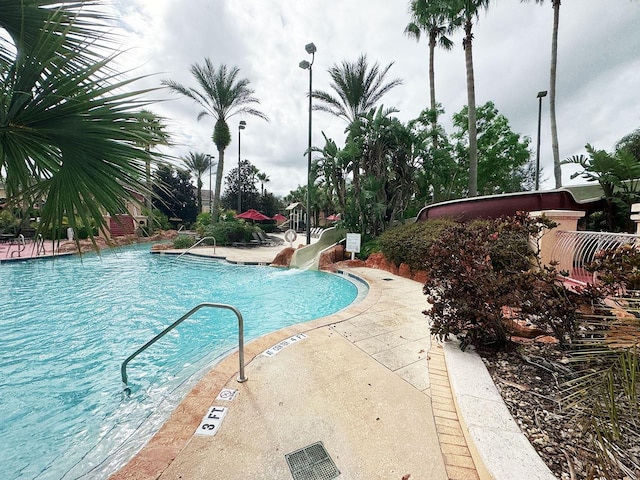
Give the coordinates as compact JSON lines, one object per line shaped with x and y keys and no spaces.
{"x":366,"y":382}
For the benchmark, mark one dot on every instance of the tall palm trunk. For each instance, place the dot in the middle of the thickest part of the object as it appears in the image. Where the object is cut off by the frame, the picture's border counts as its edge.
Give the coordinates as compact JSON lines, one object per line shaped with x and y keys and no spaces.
{"x":471,"y":101}
{"x":149,"y":200}
{"x":216,"y":192}
{"x":432,"y":86}
{"x":557,"y":172}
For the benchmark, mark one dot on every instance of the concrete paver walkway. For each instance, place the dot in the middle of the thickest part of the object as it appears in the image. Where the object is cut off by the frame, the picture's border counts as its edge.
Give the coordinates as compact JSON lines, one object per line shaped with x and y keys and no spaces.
{"x":359,"y":382}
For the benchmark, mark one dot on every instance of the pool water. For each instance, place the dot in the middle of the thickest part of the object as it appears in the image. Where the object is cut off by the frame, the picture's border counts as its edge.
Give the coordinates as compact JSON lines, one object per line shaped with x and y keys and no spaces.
{"x":67,"y":324}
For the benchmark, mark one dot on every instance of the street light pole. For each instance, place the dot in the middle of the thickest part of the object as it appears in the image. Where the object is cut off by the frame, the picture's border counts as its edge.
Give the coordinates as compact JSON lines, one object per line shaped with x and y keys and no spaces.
{"x":540,"y":96}
{"x":311,"y":49}
{"x":241,"y":126}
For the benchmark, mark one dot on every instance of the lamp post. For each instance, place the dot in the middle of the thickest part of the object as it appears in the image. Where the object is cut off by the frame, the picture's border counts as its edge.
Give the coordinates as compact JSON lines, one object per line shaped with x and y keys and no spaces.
{"x":540,"y":96}
{"x":311,"y":49}
{"x":241,"y":126}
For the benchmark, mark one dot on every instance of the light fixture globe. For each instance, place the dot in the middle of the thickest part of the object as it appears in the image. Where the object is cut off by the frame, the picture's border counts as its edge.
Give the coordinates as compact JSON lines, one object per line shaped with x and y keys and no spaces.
{"x":310,"y":48}
{"x":304,"y":64}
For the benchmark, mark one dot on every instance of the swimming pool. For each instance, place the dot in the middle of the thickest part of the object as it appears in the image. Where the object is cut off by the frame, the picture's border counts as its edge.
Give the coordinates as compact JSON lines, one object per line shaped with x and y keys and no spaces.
{"x":66,"y":325}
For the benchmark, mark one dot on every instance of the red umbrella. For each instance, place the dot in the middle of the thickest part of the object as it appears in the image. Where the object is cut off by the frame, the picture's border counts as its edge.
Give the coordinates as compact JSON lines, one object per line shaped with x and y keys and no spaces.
{"x":252,"y":215}
{"x":333,"y":218}
{"x":279,"y":218}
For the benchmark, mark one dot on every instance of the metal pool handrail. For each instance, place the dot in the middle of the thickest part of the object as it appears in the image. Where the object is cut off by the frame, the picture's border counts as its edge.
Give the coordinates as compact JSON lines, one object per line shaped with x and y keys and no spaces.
{"x":241,"y":378}
{"x":198,"y":243}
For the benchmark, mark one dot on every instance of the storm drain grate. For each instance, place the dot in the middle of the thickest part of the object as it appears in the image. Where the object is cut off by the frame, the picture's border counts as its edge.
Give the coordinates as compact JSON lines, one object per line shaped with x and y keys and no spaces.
{"x":311,"y":463}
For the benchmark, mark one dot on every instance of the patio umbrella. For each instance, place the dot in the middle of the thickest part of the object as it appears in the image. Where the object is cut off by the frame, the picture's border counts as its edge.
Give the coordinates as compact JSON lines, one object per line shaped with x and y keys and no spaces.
{"x":333,"y":218}
{"x":279,"y":218}
{"x":252,"y":215}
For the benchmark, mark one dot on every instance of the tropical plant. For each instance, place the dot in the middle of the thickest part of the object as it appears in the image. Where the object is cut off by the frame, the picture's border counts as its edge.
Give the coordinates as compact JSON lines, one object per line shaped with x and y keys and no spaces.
{"x":619,"y":177}
{"x":197,"y":163}
{"x":247,"y":184}
{"x":503,"y":156}
{"x":462,"y":14}
{"x":439,"y":176}
{"x":631,"y":143}
{"x":331,"y":170}
{"x":221,"y":95}
{"x":357,"y":89}
{"x":174,"y":194}
{"x":430,"y":16}
{"x":388,"y":170}
{"x":603,"y":390}
{"x":158,"y":136}
{"x":69,"y":127}
{"x":557,"y":171}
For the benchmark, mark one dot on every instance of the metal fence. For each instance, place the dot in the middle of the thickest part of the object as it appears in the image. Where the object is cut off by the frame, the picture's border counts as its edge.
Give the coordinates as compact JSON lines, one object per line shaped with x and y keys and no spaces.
{"x":575,"y":250}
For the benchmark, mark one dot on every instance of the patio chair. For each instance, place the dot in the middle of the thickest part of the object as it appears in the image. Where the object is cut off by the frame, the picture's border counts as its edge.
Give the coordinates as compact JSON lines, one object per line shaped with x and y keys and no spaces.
{"x":242,"y":244}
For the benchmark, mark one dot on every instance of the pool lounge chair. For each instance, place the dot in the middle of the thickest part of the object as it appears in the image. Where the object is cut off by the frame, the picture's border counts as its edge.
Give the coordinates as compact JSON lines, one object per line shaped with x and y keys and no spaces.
{"x":243,"y":244}
{"x":268,"y":239}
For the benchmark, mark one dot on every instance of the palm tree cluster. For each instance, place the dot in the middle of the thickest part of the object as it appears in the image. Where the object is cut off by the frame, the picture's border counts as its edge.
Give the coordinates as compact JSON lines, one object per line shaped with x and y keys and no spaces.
{"x":72,"y":130}
{"x":221,"y":94}
{"x":438,"y":19}
{"x":387,"y":170}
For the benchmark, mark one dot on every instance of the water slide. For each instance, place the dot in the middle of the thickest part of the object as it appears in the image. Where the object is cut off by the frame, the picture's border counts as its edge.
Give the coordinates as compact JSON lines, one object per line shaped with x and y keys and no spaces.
{"x":585,"y":198}
{"x":308,"y":258}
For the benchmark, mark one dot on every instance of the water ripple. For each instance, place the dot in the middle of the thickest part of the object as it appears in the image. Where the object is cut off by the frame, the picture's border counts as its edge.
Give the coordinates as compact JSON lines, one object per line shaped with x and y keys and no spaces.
{"x":67,"y":324}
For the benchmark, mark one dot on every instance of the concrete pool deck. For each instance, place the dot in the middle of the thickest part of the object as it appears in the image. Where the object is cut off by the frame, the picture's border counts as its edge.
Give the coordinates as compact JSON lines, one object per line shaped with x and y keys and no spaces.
{"x":369,"y":382}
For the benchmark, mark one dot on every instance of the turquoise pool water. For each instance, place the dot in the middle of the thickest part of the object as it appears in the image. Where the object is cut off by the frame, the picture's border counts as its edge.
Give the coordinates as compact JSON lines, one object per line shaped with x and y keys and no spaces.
{"x":66,"y":325}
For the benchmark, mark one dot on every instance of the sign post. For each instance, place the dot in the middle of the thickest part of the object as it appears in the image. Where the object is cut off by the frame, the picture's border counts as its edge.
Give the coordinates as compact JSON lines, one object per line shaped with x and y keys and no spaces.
{"x":353,"y":244}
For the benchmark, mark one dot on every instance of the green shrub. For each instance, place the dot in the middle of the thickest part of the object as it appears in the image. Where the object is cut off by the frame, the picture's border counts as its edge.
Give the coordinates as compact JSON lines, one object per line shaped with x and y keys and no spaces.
{"x":203,"y":219}
{"x":8,"y":222}
{"x":184,"y":241}
{"x":409,"y":243}
{"x":227,"y":232}
{"x":369,"y":247}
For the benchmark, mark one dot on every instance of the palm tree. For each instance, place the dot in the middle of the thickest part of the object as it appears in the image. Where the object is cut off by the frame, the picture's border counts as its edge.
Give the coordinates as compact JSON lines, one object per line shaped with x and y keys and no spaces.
{"x":462,"y":13}
{"x":358,"y":89}
{"x":557,"y":171}
{"x":74,"y":138}
{"x":430,"y":17}
{"x":221,"y":96}
{"x":158,"y":136}
{"x":197,"y":164}
{"x":263,"y":178}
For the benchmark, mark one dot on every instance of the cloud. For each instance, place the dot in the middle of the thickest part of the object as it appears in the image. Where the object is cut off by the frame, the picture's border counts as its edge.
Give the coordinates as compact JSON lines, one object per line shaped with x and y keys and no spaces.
{"x":597,"y":69}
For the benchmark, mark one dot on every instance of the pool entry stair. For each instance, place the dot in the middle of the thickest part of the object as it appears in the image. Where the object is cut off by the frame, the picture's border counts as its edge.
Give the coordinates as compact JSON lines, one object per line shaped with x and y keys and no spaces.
{"x":241,"y":377}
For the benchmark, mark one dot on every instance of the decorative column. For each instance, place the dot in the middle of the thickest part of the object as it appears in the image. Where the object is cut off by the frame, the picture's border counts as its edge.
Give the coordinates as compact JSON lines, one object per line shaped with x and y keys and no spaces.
{"x":567,"y":221}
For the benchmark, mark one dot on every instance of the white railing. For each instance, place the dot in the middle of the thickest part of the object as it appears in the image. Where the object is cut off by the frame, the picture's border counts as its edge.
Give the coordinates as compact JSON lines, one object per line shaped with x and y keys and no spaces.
{"x":575,"y":250}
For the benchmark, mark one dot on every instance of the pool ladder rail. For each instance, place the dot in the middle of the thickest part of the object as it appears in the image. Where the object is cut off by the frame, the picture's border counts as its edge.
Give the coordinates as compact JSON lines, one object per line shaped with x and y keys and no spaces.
{"x":241,"y":377}
{"x":198,"y":243}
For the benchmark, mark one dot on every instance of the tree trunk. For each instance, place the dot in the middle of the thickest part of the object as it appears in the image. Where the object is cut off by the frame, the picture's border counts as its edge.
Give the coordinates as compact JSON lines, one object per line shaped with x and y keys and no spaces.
{"x":199,"y":194}
{"x":471,"y":105}
{"x":432,"y":87}
{"x":216,"y":193}
{"x":149,"y":195}
{"x":557,"y":172}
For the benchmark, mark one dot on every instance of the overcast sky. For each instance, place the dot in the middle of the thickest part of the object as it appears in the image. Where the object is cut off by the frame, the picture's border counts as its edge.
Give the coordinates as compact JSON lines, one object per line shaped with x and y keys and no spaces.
{"x":598,"y":69}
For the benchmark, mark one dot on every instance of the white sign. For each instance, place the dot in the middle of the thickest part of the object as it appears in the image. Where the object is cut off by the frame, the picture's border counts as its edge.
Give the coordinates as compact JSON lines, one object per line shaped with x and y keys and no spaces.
{"x":227,"y":394}
{"x":353,"y":242}
{"x":212,"y":420}
{"x":283,"y":344}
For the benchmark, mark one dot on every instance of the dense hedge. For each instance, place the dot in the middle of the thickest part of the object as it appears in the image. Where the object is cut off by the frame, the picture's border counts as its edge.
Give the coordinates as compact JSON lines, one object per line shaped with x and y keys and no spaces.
{"x":410,"y":243}
{"x":227,"y":232}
